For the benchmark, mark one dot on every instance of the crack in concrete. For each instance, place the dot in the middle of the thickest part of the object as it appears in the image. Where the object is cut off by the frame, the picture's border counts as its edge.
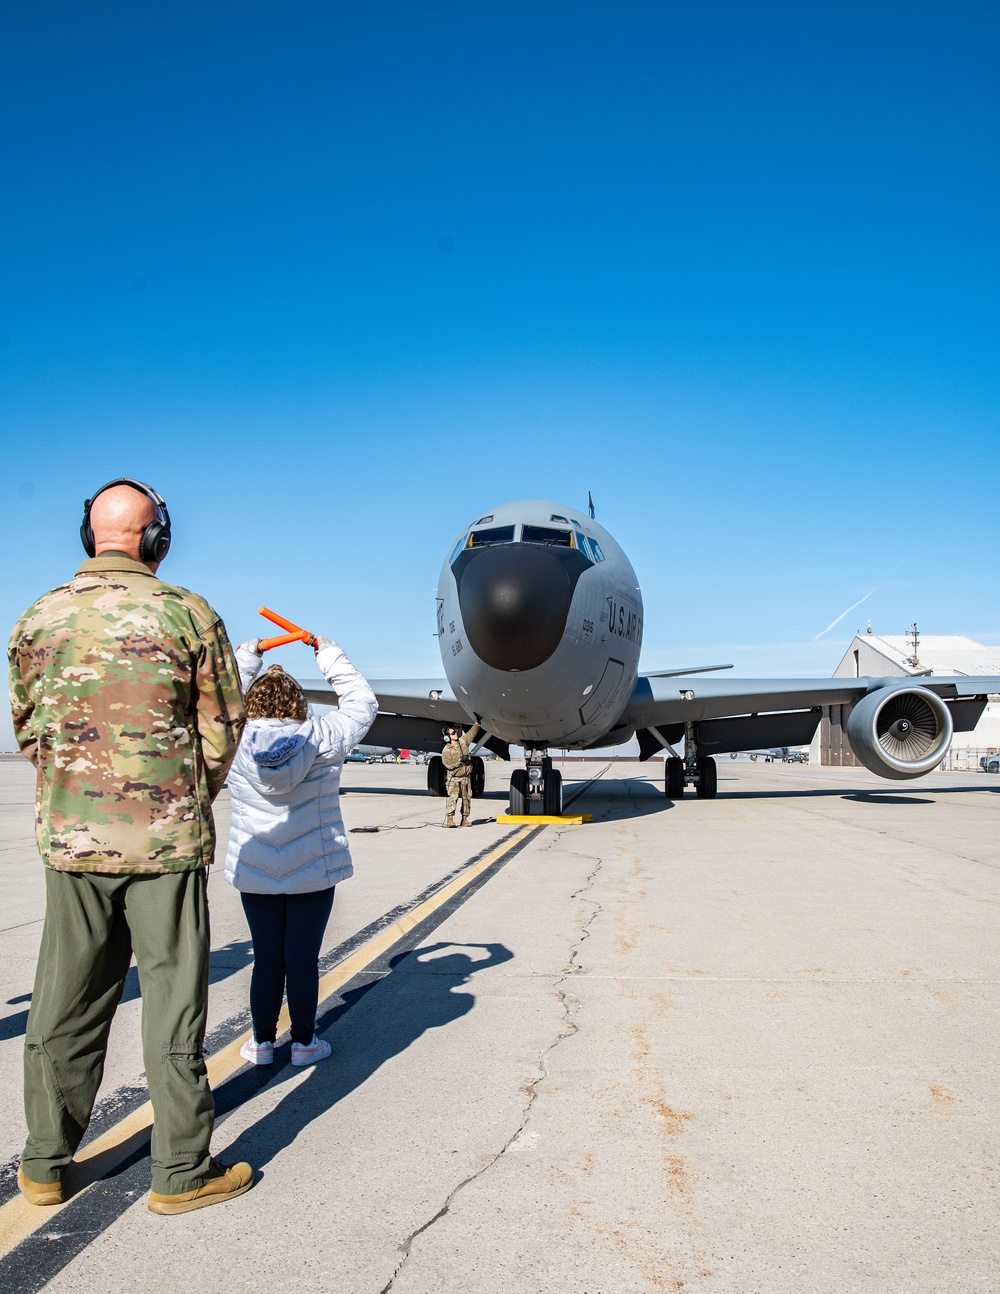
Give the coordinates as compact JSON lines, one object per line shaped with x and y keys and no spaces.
{"x":568,"y":1029}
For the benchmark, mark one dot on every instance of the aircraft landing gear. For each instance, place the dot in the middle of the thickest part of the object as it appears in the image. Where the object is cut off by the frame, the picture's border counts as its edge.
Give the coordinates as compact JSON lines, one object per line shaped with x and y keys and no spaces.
{"x":436,"y":777}
{"x":536,"y":788}
{"x":708,"y":779}
{"x":701,"y":773}
{"x":553,"y":799}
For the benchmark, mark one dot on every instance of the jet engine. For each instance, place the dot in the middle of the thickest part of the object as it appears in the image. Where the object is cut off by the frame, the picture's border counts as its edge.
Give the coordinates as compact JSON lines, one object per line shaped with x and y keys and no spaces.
{"x":900,"y":732}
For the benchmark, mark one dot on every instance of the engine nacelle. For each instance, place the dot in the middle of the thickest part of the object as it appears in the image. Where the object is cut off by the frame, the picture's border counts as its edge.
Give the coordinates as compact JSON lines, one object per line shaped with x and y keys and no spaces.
{"x":900,"y":732}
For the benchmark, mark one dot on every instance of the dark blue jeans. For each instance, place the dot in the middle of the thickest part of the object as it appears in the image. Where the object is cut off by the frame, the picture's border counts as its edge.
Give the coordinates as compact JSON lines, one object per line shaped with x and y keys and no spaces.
{"x":287,"y":931}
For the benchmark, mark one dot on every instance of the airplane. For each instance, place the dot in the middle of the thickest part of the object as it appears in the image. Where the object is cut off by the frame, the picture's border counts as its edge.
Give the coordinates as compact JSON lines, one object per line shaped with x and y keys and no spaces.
{"x":382,"y":754}
{"x":539,"y":623}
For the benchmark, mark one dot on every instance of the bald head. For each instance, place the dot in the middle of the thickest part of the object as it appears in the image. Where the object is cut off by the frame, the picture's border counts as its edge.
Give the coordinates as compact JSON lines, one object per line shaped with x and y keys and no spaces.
{"x":118,"y":517}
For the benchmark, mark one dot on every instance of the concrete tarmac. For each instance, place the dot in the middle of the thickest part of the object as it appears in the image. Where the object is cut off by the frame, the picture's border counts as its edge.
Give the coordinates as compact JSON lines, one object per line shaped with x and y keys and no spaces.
{"x":733,"y":1046}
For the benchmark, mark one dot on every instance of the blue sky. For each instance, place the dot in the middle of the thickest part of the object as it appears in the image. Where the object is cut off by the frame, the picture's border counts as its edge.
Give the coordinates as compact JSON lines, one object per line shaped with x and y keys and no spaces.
{"x":337,"y":278}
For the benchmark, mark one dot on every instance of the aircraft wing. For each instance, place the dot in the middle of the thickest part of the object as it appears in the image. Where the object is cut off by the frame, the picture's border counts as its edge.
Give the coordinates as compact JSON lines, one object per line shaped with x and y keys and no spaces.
{"x":744,"y":714}
{"x":411,"y":712}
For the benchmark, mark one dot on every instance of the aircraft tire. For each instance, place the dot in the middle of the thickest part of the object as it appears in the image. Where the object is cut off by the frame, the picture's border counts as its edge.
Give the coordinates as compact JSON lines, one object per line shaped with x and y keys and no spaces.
{"x":674,"y":778}
{"x":436,"y":777}
{"x":708,"y":779}
{"x":519,"y":792}
{"x":478,"y":775}
{"x":553,"y":792}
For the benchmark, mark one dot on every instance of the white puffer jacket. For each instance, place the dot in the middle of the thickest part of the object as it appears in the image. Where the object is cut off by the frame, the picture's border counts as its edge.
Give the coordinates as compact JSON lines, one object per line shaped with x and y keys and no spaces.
{"x":287,"y":834}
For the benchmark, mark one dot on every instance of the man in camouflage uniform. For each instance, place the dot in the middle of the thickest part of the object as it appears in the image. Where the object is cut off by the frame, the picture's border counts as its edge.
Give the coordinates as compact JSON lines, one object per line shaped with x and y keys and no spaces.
{"x":458,"y":766}
{"x":126,"y":698}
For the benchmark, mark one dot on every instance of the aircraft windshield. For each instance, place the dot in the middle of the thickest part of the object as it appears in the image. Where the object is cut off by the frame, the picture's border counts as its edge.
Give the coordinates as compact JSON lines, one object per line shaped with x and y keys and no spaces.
{"x":483,"y":539}
{"x":546,"y":535}
{"x":496,"y":535}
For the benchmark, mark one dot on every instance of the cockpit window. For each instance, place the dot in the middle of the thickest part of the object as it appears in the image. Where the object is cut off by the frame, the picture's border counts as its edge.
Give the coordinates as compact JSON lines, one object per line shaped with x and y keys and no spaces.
{"x":546,"y":535}
{"x":595,"y":548}
{"x":483,"y":539}
{"x":496,"y":535}
{"x":583,"y":543}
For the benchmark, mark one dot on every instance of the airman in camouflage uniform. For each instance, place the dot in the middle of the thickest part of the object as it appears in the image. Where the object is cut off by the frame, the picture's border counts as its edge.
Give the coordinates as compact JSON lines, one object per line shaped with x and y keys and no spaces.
{"x":458,"y":766}
{"x":126,"y":698}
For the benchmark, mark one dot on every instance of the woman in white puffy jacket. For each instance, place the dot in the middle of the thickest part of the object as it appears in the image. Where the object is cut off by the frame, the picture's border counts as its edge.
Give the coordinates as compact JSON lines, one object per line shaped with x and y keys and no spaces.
{"x":287,"y":847}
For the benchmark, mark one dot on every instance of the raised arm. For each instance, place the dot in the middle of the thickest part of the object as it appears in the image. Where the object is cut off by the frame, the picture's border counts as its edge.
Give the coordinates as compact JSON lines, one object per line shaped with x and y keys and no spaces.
{"x":342,"y":729}
{"x":248,"y":661}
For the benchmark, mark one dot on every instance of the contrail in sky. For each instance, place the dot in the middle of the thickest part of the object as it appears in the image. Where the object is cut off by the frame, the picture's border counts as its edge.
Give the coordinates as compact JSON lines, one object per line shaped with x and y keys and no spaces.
{"x":844,"y":613}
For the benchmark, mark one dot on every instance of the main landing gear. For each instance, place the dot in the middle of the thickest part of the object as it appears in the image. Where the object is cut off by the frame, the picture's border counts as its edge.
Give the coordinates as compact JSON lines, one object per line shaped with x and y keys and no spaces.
{"x":537,"y":788}
{"x":701,"y":773}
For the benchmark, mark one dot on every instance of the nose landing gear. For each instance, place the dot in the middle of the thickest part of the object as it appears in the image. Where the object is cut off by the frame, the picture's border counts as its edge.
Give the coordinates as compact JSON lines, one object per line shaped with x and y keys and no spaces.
{"x":537,"y":788}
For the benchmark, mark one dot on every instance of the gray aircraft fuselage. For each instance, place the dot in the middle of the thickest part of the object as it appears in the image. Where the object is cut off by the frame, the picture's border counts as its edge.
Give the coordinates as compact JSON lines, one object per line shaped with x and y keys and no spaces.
{"x":539,"y":620}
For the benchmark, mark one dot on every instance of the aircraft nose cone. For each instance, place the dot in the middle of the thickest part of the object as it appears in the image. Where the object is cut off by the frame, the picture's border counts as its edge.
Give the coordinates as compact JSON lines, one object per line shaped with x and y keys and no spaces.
{"x":515,"y":600}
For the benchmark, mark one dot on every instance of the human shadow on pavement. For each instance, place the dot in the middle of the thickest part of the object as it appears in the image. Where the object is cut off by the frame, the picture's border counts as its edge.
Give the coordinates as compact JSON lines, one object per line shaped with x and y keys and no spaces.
{"x":223,"y":962}
{"x":418,"y":993}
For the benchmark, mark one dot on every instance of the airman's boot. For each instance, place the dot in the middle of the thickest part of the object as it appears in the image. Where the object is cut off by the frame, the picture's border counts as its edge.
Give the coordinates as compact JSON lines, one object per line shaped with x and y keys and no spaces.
{"x":450,"y":820}
{"x":227,"y":1181}
{"x":466,"y":822}
{"x":39,"y":1192}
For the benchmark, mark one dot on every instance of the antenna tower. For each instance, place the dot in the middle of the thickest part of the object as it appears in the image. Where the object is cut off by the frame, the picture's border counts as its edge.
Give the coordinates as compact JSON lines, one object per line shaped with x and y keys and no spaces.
{"x":914,"y":638}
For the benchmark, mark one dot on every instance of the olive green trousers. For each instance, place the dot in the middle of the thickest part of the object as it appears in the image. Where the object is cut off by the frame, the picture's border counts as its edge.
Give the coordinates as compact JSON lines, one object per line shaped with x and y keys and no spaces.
{"x":93,"y":924}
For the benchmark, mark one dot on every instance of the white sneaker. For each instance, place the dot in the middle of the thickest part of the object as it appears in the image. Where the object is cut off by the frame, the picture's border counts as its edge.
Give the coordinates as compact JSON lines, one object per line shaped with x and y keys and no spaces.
{"x":257,"y":1053}
{"x":308,"y":1053}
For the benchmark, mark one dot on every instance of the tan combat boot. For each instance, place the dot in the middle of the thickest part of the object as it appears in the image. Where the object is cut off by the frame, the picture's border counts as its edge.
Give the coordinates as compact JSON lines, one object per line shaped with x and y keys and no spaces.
{"x":39,"y":1192}
{"x":227,"y":1181}
{"x":450,"y":820}
{"x":466,"y":822}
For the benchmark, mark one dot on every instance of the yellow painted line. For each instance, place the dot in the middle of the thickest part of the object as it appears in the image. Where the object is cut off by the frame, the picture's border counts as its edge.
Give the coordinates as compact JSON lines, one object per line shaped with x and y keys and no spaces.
{"x":19,"y":1219}
{"x":539,"y":819}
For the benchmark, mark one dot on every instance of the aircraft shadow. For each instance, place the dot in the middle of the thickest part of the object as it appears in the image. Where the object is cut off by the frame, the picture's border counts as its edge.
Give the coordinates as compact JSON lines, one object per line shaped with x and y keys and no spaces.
{"x":644,"y":796}
{"x":873,"y":797}
{"x":418,"y":993}
{"x":639,"y":799}
{"x":418,"y":791}
{"x":900,"y":796}
{"x":223,"y":962}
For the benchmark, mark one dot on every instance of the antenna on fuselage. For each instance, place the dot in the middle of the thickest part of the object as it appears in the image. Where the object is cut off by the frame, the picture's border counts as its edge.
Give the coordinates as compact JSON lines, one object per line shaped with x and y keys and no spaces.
{"x":590,"y":505}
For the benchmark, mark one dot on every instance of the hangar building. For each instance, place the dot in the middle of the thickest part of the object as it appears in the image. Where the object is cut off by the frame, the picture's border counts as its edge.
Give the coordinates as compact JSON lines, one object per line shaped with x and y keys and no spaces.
{"x":910,"y":655}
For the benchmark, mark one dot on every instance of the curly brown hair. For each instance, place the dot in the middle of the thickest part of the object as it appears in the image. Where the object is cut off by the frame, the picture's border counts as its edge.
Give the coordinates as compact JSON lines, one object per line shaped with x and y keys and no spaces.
{"x":276,"y":695}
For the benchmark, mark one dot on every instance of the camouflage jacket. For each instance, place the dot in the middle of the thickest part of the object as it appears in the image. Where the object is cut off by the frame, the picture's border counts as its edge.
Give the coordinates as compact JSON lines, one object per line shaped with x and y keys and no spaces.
{"x":454,"y":751}
{"x":126,"y":698}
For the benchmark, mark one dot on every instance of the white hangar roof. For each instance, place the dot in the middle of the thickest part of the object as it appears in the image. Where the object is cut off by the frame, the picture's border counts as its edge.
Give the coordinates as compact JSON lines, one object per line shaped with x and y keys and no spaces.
{"x":936,"y":653}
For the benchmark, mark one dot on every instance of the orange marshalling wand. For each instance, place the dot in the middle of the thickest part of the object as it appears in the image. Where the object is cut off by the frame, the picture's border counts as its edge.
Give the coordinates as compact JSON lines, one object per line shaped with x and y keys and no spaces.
{"x":294,"y":632}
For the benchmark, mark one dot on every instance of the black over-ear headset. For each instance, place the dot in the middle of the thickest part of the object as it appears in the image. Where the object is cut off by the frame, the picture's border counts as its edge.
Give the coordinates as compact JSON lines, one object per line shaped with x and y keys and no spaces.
{"x":155,"y":540}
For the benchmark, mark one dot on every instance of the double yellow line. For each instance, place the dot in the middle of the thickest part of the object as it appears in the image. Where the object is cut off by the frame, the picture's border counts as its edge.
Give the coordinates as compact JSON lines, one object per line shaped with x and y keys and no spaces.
{"x":19,"y":1219}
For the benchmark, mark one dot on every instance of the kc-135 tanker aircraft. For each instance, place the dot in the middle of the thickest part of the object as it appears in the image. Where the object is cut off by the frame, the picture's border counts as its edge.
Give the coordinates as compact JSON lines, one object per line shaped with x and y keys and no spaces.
{"x":539,"y":620}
